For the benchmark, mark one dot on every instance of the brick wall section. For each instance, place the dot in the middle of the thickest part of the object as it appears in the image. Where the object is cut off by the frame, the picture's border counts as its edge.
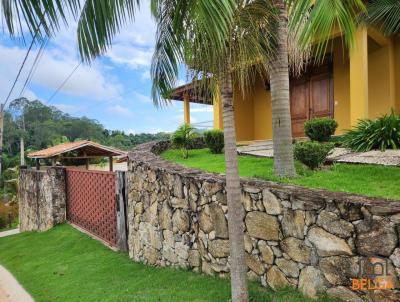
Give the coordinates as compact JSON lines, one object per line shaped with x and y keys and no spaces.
{"x":42,"y":198}
{"x":314,"y":240}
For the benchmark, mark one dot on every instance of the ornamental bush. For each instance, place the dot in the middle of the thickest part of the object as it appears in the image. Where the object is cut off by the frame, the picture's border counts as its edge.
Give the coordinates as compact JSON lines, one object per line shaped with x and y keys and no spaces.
{"x":320,"y":129}
{"x":214,"y":140}
{"x":382,"y":133}
{"x":183,"y":138}
{"x":312,"y":154}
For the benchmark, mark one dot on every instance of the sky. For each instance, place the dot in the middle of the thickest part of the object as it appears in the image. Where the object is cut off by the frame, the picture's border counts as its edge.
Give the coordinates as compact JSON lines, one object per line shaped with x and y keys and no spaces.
{"x":115,"y":89}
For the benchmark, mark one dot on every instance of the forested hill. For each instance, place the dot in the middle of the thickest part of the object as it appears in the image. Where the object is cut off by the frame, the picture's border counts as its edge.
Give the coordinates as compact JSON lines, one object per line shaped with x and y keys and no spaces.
{"x":44,"y":126}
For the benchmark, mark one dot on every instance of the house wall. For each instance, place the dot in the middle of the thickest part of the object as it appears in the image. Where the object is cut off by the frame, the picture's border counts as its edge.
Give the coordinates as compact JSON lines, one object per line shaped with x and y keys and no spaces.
{"x":253,"y":112}
{"x":379,"y":82}
{"x":244,"y":116}
{"x":397,"y":73}
{"x":341,"y":86}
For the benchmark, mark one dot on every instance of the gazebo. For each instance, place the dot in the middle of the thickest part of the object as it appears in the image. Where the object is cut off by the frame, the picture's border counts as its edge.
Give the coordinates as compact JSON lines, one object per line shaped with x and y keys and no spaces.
{"x":84,"y":149}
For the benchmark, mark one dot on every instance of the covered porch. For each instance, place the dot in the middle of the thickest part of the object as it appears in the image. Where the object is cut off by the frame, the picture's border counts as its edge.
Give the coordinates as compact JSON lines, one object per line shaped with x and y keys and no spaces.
{"x":80,"y":150}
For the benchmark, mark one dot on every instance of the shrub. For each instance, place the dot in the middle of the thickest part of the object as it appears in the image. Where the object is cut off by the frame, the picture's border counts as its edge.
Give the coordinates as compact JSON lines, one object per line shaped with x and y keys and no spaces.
{"x":183,"y":138}
{"x":214,"y":140}
{"x":382,"y":133}
{"x":312,"y":154}
{"x":8,"y":214}
{"x":320,"y":129}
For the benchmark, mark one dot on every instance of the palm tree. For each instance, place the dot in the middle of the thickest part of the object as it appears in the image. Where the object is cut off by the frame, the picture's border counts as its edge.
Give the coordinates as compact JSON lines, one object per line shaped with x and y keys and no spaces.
{"x":219,"y":38}
{"x":385,"y":14}
{"x":229,"y":56}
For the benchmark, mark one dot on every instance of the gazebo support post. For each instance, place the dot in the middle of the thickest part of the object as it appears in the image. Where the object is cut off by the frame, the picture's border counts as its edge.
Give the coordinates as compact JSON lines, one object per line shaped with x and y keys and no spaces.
{"x":110,"y":159}
{"x":87,"y":163}
{"x":37,"y":164}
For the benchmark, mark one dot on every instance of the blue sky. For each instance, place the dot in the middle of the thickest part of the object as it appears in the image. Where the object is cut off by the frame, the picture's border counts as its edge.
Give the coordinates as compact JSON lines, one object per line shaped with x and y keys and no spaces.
{"x":115,"y":89}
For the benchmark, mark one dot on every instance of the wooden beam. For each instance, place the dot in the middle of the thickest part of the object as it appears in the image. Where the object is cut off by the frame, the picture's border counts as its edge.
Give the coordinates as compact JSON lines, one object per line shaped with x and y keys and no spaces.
{"x":378,"y":37}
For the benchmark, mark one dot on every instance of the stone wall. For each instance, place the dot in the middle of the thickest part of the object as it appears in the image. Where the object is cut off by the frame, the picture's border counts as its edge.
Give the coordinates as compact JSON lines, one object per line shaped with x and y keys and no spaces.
{"x":312,"y":239}
{"x":42,"y":198}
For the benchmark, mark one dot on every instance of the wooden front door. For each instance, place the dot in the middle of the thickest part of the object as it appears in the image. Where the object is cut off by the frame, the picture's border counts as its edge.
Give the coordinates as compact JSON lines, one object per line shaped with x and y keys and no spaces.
{"x":311,"y":96}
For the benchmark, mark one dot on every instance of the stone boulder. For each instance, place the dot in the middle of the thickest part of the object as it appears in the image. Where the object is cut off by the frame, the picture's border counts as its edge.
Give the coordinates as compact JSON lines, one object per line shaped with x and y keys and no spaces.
{"x":339,"y":270}
{"x":271,"y":203}
{"x":311,"y":282}
{"x":296,"y":249}
{"x":219,"y":248}
{"x":376,"y":238}
{"x":254,"y":264}
{"x":276,"y":279}
{"x":180,"y":221}
{"x":332,"y":223}
{"x":344,"y":294}
{"x":293,"y":223}
{"x":219,"y":221}
{"x":262,"y":226}
{"x":328,"y":244}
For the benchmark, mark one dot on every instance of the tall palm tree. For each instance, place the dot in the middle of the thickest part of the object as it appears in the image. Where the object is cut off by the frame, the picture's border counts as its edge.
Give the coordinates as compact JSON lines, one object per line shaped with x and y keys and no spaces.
{"x":227,"y":61}
{"x":385,"y":14}
{"x":219,"y":38}
{"x":309,"y":21}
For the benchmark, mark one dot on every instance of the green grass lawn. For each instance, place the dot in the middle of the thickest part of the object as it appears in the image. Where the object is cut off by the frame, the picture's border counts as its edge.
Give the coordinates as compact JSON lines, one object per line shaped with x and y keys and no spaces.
{"x":370,"y":180}
{"x":65,"y":265}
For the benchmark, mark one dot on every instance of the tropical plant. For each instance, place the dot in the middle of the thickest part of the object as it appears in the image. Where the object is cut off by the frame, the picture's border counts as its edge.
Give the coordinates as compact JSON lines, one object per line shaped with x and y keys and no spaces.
{"x":183,"y":138}
{"x":225,"y":39}
{"x":312,"y":154}
{"x":382,"y":133}
{"x":385,"y":14}
{"x":214,"y":140}
{"x":320,"y":129}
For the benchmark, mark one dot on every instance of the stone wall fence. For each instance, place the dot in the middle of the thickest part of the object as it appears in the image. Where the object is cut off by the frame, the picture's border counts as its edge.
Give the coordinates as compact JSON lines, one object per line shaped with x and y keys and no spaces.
{"x":42,"y":198}
{"x":311,"y":239}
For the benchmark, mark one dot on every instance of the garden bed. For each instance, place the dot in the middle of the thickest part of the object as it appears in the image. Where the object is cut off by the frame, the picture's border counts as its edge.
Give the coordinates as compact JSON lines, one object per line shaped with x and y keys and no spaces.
{"x":368,"y":180}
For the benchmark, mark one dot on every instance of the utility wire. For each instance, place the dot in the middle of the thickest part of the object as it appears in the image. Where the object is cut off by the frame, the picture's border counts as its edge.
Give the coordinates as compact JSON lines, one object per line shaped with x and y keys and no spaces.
{"x":63,"y":83}
{"x":34,"y":66}
{"x":20,"y":69}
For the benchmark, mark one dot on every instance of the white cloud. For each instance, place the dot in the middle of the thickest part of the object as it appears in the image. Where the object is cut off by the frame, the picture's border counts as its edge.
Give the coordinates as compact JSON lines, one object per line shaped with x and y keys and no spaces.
{"x":120,"y":110}
{"x":70,"y":109}
{"x":51,"y":71}
{"x":142,"y":98}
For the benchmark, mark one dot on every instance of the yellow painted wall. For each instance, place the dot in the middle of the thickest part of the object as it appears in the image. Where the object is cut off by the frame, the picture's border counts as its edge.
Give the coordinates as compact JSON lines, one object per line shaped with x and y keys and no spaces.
{"x":253,"y":112}
{"x":262,"y":112}
{"x":341,"y":86}
{"x":397,"y":74}
{"x":378,"y":82}
{"x":243,"y":116}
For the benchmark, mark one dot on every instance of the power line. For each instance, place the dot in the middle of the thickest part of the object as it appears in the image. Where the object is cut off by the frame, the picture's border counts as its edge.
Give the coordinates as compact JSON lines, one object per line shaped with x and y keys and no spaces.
{"x":34,"y":66}
{"x":20,"y":69}
{"x":63,"y":83}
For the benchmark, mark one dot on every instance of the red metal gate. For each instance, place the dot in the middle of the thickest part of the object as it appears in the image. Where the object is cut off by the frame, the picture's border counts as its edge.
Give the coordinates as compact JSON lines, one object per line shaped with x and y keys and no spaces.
{"x":91,"y":203}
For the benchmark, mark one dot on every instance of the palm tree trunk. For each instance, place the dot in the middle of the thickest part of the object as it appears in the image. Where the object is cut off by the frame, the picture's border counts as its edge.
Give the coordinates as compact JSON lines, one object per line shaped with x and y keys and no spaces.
{"x":236,"y":213}
{"x":281,"y":119}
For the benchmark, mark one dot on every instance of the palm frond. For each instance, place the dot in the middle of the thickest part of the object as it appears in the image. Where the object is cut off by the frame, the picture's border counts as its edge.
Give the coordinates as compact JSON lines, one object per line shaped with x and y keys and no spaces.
{"x":99,"y":22}
{"x":41,"y":17}
{"x":322,"y":19}
{"x":385,"y":14}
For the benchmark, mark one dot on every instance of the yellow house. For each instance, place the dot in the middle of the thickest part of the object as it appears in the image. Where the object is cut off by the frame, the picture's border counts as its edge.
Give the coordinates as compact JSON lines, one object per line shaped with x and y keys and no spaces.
{"x":347,"y":87}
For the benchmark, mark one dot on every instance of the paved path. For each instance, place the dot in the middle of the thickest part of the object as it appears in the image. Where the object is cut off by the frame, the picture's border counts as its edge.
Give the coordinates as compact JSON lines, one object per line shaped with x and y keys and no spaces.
{"x":10,"y":289}
{"x":9,"y":233}
{"x":342,"y":155}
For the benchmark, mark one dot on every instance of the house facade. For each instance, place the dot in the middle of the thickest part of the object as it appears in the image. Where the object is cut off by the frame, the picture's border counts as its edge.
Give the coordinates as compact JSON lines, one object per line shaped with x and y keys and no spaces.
{"x":364,"y":83}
